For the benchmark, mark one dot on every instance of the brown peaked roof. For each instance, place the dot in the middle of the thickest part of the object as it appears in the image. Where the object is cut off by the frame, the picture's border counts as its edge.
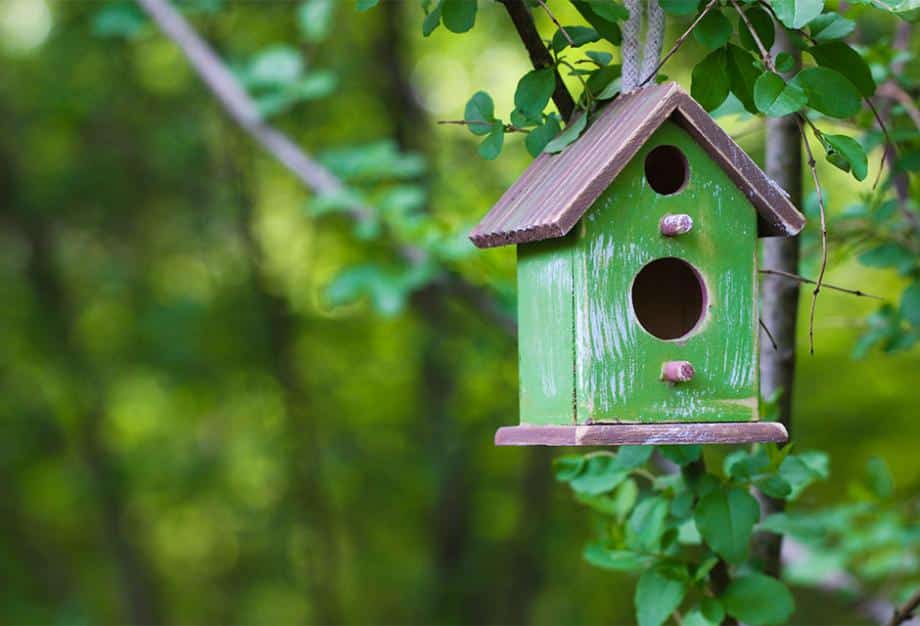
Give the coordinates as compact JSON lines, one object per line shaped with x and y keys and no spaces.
{"x":556,"y":190}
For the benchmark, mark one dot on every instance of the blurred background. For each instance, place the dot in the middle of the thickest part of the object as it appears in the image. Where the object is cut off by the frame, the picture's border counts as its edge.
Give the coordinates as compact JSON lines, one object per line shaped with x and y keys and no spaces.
{"x":222,"y":401}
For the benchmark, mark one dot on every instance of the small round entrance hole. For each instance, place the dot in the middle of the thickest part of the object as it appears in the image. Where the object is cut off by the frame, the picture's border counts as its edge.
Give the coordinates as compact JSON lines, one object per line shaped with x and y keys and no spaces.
{"x":666,"y":169}
{"x":669,"y":298}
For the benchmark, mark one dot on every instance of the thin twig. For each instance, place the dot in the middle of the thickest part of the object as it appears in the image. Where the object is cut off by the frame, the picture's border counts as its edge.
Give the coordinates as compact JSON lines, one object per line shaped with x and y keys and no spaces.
{"x":241,"y":108}
{"x":812,"y":165}
{"x":509,"y":128}
{"x":802,"y":279}
{"x":823,"y":218}
{"x":906,"y":612}
{"x":539,"y":55}
{"x":767,"y":58}
{"x":564,"y":32}
{"x":769,"y":334}
{"x":888,"y":142}
{"x":680,"y":41}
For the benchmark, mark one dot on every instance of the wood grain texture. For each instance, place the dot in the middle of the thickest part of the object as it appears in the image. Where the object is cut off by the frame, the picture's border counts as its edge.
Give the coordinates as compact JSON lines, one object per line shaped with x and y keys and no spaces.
{"x":546,"y":331}
{"x":642,"y":434}
{"x":556,"y":190}
{"x":618,"y":363}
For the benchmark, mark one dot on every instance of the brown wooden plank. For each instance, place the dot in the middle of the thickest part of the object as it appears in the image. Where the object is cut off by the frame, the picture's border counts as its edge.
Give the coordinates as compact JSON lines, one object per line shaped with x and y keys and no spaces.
{"x":642,"y":434}
{"x":556,"y":190}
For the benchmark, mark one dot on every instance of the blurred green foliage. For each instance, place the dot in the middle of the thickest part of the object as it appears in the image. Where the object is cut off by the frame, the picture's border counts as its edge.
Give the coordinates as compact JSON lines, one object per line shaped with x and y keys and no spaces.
{"x":207,"y":419}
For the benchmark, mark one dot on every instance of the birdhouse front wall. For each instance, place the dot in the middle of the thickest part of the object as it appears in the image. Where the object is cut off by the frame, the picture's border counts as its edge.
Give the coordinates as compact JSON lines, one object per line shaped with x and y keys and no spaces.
{"x":604,"y":309}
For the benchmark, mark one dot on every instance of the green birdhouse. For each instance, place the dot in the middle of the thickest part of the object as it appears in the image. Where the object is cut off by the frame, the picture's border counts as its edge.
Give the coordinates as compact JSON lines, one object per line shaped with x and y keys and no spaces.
{"x":637,"y":280}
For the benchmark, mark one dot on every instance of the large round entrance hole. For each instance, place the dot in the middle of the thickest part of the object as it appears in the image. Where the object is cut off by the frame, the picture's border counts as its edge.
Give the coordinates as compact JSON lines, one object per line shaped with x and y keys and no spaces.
{"x":667,"y":169}
{"x":668,"y":297}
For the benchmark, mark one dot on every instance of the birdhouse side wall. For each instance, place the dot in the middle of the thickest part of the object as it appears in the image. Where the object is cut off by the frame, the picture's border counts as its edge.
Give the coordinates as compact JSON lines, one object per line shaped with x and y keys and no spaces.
{"x":546,"y":346}
{"x":618,"y":363}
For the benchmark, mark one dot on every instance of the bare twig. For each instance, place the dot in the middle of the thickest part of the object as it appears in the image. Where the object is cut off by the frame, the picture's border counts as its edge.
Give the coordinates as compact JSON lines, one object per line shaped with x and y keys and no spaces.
{"x":769,"y":334}
{"x":823,"y":217}
{"x":812,"y":165}
{"x":241,"y":108}
{"x":509,"y":128}
{"x":888,"y":143}
{"x":564,"y":32}
{"x":802,"y":279}
{"x":905,"y":612}
{"x":767,"y":58}
{"x":539,"y":55}
{"x":892,"y":90}
{"x":680,"y":41}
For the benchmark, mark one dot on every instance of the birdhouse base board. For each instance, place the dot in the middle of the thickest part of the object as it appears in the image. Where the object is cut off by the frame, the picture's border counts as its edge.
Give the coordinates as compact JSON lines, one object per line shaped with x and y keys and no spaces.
{"x":642,"y":434}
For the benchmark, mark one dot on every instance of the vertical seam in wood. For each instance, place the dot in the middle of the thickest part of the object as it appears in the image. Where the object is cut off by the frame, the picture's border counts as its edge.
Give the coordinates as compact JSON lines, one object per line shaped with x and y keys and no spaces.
{"x":572,"y":250}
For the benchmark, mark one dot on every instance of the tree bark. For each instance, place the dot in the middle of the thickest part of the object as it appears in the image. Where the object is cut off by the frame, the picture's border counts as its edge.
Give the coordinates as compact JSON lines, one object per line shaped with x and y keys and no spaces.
{"x":779,"y":298}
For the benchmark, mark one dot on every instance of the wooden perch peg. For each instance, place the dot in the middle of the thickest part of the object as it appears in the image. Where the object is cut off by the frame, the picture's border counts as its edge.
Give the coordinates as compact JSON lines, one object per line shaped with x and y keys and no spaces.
{"x":675,"y":224}
{"x":677,"y":371}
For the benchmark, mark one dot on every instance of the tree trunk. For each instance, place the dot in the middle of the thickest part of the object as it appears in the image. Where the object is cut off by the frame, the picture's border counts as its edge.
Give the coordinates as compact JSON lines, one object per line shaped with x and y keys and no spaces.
{"x":779,"y":298}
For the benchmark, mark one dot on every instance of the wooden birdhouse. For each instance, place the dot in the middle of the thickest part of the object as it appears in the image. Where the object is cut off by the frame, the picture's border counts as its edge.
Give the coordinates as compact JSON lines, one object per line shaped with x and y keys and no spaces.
{"x":637,"y":280}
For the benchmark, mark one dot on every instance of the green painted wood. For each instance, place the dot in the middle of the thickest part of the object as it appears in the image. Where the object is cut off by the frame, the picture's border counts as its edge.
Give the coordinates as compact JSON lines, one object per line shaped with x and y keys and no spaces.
{"x":546,"y":330}
{"x":618,"y":364}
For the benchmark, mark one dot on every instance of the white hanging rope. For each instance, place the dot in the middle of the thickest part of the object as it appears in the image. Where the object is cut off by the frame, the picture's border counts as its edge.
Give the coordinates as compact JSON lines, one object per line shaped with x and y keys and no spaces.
{"x":637,"y":70}
{"x":629,"y":73}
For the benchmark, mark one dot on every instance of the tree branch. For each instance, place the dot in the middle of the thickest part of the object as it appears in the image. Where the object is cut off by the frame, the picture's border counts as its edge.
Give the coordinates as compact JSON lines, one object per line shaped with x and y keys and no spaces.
{"x":539,"y":55}
{"x":680,"y":41}
{"x":242,"y":109}
{"x":802,"y":279}
{"x":906,"y":612}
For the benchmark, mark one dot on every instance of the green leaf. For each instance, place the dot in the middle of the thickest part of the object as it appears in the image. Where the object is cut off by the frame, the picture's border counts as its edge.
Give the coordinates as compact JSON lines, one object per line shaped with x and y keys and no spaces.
{"x":774,"y":486}
{"x":534,"y":91}
{"x":829,"y":92}
{"x":647,"y":523}
{"x":886,"y":255}
{"x":364,"y":5}
{"x":491,"y":146}
{"x":784,"y":62}
{"x":120,"y":19}
{"x":744,"y":464}
{"x":537,"y":139}
{"x":758,"y":600}
{"x":797,"y":13}
{"x":763,"y":25}
{"x":432,"y":19}
{"x":879,"y":478}
{"x":910,"y":304}
{"x":480,"y":113}
{"x":801,"y":470}
{"x":608,"y":9}
{"x":725,"y":519}
{"x":658,"y":594}
{"x":846,"y":153}
{"x":606,"y":28}
{"x":710,"y":82}
{"x":625,"y":497}
{"x":580,"y":35}
{"x":601,"y":58}
{"x":838,"y":56}
{"x":682,"y":455}
{"x":830,"y":27}
{"x":631,"y":457}
{"x":314,"y":18}
{"x":712,"y":609}
{"x":679,"y":7}
{"x":775,"y":97}
{"x":568,"y":467}
{"x":273,"y":67}
{"x":616,"y":560}
{"x":714,"y":30}
{"x":599,"y":475}
{"x":458,"y":15}
{"x":742,"y":75}
{"x":600,"y":81}
{"x":572,"y":131}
